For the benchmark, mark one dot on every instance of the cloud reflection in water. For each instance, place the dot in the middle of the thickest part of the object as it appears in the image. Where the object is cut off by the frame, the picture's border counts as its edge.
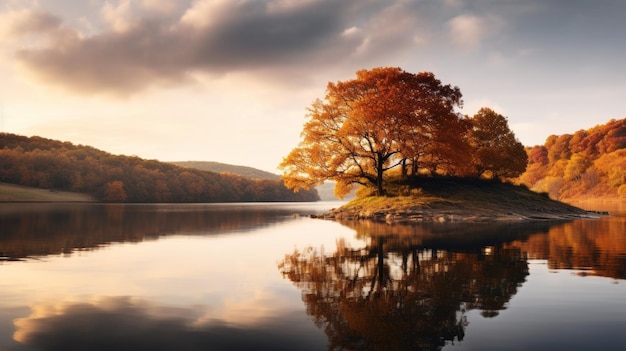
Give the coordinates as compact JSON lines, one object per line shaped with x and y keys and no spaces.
{"x":125,"y":323}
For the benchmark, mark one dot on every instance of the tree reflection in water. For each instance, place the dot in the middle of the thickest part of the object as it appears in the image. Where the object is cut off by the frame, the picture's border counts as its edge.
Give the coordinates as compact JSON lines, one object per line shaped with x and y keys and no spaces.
{"x":32,"y":230}
{"x":396,"y":293}
{"x":592,"y":247}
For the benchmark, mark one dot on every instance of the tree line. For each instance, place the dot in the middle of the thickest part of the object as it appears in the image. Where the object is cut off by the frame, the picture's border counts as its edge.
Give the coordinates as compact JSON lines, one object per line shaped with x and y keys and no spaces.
{"x":587,"y":164}
{"x":51,"y":164}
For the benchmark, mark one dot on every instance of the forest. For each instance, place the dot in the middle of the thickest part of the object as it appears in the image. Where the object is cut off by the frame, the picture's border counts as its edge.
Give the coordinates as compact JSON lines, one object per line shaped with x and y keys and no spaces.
{"x":56,"y":165}
{"x":589,"y":164}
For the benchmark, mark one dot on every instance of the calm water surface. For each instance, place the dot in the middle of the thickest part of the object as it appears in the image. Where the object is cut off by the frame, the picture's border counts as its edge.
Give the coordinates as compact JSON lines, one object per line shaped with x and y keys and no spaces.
{"x":265,"y":276}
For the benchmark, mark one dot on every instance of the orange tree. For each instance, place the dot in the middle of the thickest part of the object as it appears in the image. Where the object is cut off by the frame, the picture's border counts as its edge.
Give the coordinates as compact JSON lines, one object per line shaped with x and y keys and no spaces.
{"x":497,"y":153}
{"x":384,"y":118}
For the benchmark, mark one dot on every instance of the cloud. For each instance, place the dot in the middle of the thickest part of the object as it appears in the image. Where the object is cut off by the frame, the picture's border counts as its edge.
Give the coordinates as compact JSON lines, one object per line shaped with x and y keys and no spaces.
{"x":467,"y":30}
{"x":117,"y":61}
{"x":160,"y":6}
{"x":18,"y":24}
{"x":117,"y":15}
{"x":211,"y":37}
{"x":142,"y":45}
{"x":394,"y":26}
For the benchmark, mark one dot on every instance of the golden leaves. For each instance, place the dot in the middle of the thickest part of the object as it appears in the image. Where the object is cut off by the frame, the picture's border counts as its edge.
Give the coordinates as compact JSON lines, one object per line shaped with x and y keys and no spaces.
{"x":368,"y":125}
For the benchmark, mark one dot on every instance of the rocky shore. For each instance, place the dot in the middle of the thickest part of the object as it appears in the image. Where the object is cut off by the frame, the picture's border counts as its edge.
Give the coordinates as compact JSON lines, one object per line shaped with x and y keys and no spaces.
{"x":418,"y":215}
{"x":451,"y":200}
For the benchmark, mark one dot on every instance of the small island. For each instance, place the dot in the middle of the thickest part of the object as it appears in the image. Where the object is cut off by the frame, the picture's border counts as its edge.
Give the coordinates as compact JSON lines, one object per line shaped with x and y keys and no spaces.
{"x":454,"y":199}
{"x":400,"y":139}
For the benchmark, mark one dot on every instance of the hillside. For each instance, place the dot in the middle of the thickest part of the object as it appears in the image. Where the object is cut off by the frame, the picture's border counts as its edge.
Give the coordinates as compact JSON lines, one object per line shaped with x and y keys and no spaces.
{"x":62,"y":166}
{"x":218,"y":167}
{"x":325,"y":191}
{"x":449,"y":199}
{"x":589,"y":164}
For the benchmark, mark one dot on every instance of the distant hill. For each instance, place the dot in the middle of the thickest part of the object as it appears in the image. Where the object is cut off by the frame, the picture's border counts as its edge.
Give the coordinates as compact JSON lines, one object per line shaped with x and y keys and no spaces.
{"x":587,"y":165}
{"x":326,"y":191}
{"x":62,"y":166}
{"x":226,"y":168}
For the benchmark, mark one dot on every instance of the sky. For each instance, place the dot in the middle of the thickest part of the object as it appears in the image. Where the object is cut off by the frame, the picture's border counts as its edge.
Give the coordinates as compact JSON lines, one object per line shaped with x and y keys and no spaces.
{"x":230,"y":80}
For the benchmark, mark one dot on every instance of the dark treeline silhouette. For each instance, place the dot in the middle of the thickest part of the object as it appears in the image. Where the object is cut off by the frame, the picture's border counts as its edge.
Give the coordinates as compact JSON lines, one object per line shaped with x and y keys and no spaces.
{"x":50,"y":164}
{"x":35,"y":230}
{"x":587,"y":164}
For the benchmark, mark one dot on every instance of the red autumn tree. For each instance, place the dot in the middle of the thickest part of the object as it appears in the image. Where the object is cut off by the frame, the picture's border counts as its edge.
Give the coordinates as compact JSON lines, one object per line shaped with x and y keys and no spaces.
{"x":115,"y":192}
{"x":498,"y":154}
{"x":383,"y":118}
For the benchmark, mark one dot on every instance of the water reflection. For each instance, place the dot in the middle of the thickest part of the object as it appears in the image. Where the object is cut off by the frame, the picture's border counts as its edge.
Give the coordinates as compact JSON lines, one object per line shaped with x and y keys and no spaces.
{"x":365,"y":285}
{"x":28,"y":230}
{"x":406,"y":290}
{"x":124,"y":323}
{"x":592,"y":247}
{"x":451,"y":236}
{"x":411,"y":287}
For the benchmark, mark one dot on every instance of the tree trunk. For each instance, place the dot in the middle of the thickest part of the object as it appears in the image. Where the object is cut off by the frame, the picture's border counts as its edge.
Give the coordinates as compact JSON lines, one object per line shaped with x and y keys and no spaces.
{"x":379,"y":174}
{"x":414,"y":167}
{"x":404,"y":169}
{"x":381,"y":263}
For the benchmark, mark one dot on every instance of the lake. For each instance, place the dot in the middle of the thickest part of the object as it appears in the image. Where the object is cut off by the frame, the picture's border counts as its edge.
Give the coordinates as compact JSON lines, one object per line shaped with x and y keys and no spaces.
{"x":266,"y":276}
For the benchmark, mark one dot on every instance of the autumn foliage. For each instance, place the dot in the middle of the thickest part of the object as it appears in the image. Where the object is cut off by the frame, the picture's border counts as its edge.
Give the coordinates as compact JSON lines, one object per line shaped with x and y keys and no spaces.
{"x":50,"y":164}
{"x":387,"y":119}
{"x":497,"y":153}
{"x":587,"y":164}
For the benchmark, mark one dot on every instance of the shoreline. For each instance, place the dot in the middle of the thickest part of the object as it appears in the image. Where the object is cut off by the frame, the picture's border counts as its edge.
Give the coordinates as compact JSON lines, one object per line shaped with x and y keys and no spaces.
{"x":431,"y":215}
{"x":13,"y":193}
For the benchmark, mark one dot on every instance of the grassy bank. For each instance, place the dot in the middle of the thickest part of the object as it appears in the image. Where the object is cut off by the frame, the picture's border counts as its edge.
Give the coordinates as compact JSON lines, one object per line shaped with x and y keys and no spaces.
{"x":456,"y":199}
{"x":16,"y":193}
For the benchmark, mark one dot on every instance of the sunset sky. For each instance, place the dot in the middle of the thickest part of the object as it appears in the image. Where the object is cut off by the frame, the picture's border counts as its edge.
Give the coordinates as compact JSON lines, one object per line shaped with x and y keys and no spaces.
{"x":230,"y":80}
